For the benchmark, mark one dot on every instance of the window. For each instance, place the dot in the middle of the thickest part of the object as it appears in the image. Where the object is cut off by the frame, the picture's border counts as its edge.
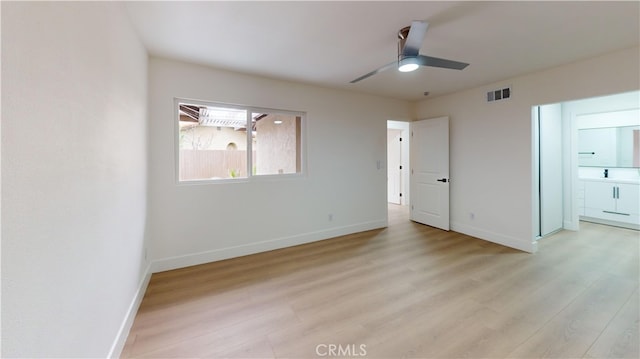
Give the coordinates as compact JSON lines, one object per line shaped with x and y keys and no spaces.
{"x":226,"y":142}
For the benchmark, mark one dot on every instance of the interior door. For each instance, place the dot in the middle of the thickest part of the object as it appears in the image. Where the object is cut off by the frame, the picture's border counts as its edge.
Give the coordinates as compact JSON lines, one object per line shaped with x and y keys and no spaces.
{"x":393,"y":166}
{"x":430,"y":172}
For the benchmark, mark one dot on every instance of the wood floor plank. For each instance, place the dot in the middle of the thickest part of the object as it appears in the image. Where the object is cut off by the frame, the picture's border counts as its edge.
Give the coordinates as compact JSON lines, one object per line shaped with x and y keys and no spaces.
{"x":404,"y":291}
{"x":536,"y":307}
{"x":208,"y":330}
{"x":306,"y":345}
{"x":574,"y":330}
{"x":596,"y":306}
{"x":621,"y":338}
{"x":561,"y":338}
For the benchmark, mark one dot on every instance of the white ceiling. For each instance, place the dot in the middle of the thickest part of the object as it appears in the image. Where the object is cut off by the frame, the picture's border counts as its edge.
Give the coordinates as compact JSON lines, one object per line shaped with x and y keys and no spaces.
{"x":332,"y":43}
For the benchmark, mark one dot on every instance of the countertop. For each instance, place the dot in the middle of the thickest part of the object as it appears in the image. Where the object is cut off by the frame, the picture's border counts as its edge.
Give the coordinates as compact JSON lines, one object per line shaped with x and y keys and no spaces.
{"x":612,"y":180}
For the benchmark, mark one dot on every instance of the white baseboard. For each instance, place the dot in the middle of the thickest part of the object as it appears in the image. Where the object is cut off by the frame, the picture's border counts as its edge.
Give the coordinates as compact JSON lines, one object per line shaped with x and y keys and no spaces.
{"x":530,"y":246}
{"x":263,"y":246}
{"x":610,"y":223}
{"x":127,"y":322}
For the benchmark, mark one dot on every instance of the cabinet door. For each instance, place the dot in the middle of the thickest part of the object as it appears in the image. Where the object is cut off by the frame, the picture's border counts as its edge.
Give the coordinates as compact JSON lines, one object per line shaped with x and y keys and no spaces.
{"x":629,"y":198}
{"x":599,"y":195}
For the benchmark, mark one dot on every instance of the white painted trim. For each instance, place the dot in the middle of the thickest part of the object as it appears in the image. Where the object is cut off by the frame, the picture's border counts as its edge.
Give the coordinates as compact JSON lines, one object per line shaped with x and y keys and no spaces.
{"x":570,"y":226}
{"x":530,"y":246}
{"x":127,"y":322}
{"x":535,"y":171}
{"x":192,"y":259}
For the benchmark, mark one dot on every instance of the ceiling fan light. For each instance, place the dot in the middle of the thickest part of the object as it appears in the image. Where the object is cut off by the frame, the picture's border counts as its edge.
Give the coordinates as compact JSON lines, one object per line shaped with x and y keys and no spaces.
{"x":408,"y":64}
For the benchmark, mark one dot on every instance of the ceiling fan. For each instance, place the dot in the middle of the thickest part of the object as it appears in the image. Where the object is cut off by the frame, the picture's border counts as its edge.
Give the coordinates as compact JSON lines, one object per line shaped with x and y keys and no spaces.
{"x":409,"y":59}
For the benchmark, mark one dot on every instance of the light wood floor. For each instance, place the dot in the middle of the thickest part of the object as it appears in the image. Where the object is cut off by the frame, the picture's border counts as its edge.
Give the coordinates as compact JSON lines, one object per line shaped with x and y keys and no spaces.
{"x":404,"y":291}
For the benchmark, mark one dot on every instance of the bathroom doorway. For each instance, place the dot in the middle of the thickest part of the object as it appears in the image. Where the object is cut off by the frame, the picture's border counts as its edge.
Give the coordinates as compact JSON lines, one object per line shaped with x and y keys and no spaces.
{"x":586,"y":137}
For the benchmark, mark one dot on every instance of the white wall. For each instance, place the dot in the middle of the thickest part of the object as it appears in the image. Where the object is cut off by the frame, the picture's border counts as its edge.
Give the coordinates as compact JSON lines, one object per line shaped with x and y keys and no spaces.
{"x":73,"y":177}
{"x":491,"y":143}
{"x":345,"y":137}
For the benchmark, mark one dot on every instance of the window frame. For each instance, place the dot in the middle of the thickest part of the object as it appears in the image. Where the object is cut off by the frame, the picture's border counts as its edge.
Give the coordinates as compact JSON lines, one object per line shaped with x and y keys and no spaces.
{"x":249,"y":111}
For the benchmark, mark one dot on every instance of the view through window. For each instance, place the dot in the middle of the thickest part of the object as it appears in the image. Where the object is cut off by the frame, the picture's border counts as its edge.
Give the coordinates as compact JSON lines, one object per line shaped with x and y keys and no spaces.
{"x":220,"y":142}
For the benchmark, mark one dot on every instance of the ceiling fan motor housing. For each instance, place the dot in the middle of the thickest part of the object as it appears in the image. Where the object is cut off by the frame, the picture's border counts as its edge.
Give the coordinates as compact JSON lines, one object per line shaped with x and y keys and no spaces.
{"x":402,"y":36}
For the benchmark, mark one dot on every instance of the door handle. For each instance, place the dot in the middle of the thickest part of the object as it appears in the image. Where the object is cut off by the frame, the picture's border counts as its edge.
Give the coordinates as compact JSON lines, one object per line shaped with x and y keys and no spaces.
{"x":442,"y":180}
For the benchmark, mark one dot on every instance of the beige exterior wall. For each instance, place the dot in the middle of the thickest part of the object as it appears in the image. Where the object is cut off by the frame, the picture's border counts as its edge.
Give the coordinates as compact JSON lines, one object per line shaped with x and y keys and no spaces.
{"x":277,"y":146}
{"x":211,"y":138}
{"x":212,"y":164}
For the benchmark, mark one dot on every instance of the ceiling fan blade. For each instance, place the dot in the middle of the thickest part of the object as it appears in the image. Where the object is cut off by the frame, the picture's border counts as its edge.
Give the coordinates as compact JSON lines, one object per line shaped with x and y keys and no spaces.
{"x":385,"y":67}
{"x":414,"y":40}
{"x":437,"y":62}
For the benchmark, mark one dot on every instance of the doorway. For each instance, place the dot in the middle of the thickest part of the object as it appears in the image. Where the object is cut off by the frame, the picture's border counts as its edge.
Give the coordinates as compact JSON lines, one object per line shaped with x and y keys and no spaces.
{"x":569,"y":202}
{"x":398,"y":169}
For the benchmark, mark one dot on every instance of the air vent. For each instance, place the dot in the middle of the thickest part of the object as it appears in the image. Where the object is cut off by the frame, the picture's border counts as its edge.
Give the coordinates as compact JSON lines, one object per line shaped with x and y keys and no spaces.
{"x":499,"y":94}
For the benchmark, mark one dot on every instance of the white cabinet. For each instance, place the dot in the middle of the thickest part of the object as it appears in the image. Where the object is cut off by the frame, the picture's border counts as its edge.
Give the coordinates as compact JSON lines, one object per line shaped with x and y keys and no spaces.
{"x":612,"y":201}
{"x":628,"y":198}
